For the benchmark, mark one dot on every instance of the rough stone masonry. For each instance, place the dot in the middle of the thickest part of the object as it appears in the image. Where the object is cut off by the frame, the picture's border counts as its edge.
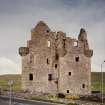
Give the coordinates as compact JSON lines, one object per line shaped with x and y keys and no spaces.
{"x":54,"y":63}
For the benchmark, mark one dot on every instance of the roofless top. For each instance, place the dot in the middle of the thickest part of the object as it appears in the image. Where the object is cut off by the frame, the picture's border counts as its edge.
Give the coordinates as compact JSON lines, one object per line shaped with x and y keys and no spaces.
{"x":41,"y":26}
{"x":41,"y":23}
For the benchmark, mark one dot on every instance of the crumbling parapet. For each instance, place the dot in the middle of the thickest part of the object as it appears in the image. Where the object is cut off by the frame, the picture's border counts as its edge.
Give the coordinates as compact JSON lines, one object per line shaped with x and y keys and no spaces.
{"x":82,"y":35}
{"x":83,"y":38}
{"x":23,"y":51}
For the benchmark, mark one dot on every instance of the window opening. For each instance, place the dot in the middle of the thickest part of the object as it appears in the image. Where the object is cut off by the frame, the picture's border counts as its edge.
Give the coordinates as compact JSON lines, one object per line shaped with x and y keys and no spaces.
{"x":55,"y":65}
{"x":67,"y":91}
{"x":30,"y":77}
{"x":77,"y":59}
{"x":69,"y":73}
{"x":48,"y":43}
{"x":75,"y":44}
{"x":83,"y":85}
{"x":49,"y":77}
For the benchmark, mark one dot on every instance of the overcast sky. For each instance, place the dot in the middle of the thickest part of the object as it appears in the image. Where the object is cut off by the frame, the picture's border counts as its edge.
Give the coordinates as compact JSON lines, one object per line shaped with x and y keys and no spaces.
{"x":17,"y":17}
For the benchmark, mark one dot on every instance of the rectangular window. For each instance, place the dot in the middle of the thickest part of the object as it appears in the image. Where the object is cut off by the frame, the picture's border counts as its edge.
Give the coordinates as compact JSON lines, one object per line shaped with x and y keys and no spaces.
{"x":64,"y":42}
{"x":49,"y":77}
{"x":48,"y":43}
{"x":77,"y":59}
{"x":47,"y":61}
{"x":83,"y":85}
{"x":30,"y":77}
{"x":67,"y":91}
{"x":75,"y":44}
{"x":69,"y":73}
{"x":55,"y":65}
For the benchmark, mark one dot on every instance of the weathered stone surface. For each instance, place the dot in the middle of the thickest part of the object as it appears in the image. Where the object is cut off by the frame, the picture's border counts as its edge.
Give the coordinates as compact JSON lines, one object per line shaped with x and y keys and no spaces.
{"x":83,"y":35}
{"x":88,"y":53}
{"x":55,"y":63}
{"x":23,"y":51}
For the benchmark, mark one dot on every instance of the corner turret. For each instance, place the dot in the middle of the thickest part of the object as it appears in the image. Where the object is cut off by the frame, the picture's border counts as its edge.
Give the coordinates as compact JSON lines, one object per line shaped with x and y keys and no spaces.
{"x":23,"y":51}
{"x":83,"y":38}
{"x":82,"y":35}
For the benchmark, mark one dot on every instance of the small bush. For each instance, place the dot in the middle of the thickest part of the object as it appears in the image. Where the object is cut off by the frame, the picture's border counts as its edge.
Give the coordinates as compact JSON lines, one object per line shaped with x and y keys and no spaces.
{"x":50,"y":96}
{"x":72,"y":104}
{"x":61,"y":95}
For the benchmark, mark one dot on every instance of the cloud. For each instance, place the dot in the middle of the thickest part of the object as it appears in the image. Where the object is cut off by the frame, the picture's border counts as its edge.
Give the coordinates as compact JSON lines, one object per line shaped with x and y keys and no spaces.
{"x":8,"y":66}
{"x":17,"y":17}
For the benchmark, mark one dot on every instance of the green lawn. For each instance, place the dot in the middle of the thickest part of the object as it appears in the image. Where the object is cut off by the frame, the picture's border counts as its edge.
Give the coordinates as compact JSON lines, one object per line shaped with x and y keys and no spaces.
{"x":96,"y":78}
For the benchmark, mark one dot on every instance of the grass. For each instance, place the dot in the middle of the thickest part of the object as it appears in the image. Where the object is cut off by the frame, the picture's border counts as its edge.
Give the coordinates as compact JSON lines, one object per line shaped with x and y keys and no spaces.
{"x":46,"y":100}
{"x":16,"y":81}
{"x":96,"y":81}
{"x":96,"y":78}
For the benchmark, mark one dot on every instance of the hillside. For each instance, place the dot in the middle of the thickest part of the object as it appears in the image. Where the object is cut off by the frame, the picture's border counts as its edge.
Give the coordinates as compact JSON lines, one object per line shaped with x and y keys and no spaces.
{"x":5,"y":78}
{"x":96,"y":79}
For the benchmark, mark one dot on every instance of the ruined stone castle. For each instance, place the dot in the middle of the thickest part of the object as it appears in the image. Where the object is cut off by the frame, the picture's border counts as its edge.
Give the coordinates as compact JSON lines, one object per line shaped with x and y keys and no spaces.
{"x":55,"y":63}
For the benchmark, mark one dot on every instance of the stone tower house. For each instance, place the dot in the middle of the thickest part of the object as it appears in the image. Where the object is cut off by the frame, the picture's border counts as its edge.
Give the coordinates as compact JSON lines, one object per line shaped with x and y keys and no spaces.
{"x":54,"y":63}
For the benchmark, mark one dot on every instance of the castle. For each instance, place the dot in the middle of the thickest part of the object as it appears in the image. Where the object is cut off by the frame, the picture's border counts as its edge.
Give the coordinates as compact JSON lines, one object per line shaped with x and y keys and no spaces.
{"x":54,"y":63}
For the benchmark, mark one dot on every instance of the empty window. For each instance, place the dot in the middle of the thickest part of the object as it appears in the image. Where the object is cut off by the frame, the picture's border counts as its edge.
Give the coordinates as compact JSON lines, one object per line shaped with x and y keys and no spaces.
{"x":69,"y":73}
{"x":48,"y":43}
{"x":64,"y":42}
{"x":55,"y":65}
{"x":49,"y":77}
{"x":48,"y":30}
{"x":30,"y":77}
{"x":83,"y":85}
{"x":67,"y":91}
{"x":75,"y":44}
{"x":47,"y":61}
{"x":77,"y":59}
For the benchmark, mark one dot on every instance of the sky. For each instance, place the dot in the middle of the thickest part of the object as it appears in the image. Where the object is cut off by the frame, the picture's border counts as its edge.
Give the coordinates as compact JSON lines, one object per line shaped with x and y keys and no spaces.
{"x":18,"y":17}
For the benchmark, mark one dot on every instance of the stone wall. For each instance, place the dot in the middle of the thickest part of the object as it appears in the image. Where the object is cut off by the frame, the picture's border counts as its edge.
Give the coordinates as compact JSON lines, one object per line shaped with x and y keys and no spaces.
{"x":54,"y":63}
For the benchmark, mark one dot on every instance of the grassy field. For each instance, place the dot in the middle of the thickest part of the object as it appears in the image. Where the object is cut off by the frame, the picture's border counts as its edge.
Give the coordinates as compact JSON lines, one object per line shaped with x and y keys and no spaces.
{"x":5,"y":78}
{"x":96,"y":81}
{"x":96,"y":78}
